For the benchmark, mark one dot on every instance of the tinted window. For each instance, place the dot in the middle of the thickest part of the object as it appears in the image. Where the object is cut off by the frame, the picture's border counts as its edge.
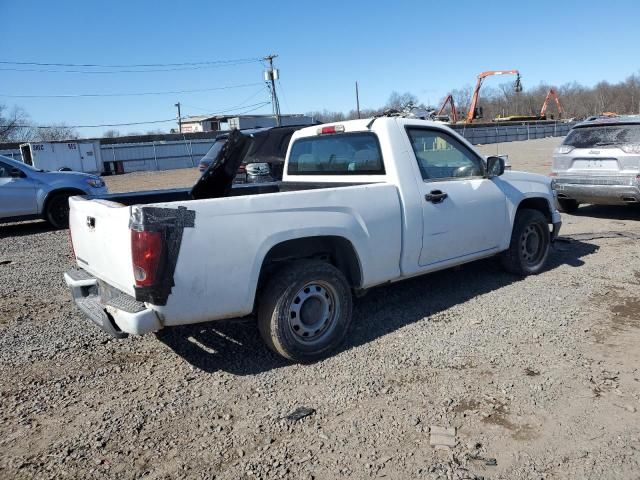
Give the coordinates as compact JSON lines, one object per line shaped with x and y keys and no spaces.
{"x":440,"y":155}
{"x":602,"y":136}
{"x":340,"y":154}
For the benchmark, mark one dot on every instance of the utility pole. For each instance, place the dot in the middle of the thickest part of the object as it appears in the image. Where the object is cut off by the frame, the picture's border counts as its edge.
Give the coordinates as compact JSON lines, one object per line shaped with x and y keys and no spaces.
{"x":271,"y":76}
{"x":357,"y":100}
{"x":179,"y":117}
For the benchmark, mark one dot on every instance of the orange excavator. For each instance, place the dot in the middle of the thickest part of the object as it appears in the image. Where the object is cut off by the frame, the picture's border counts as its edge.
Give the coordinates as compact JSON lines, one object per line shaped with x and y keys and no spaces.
{"x":474,"y":111}
{"x":552,"y":94}
{"x":453,"y":118}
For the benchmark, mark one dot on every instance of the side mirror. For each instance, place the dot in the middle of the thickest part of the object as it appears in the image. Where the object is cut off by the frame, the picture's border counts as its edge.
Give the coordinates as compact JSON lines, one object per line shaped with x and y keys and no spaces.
{"x":495,"y":166}
{"x":16,"y":173}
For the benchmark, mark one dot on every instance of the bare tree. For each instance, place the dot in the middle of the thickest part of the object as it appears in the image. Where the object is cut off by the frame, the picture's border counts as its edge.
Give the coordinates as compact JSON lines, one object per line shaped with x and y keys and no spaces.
{"x":57,"y":133}
{"x":14,"y":125}
{"x":401,"y":101}
{"x":111,"y":133}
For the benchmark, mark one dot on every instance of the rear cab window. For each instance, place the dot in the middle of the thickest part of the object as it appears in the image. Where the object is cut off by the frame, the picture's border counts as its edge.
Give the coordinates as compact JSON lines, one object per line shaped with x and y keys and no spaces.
{"x":356,"y":153}
{"x":603,"y":136}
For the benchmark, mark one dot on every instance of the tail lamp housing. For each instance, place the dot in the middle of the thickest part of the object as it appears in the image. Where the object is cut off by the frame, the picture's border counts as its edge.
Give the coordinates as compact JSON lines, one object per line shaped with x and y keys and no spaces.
{"x":146,"y":253}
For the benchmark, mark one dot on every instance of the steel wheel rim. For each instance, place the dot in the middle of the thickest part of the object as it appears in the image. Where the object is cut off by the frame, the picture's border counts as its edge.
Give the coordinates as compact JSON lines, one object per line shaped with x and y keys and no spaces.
{"x":313,"y":311}
{"x":532,"y":244}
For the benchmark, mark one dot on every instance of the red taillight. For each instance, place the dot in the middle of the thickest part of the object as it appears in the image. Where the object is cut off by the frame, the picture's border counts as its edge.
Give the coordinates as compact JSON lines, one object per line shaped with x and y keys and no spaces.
{"x":146,"y":252}
{"x":331,"y":129}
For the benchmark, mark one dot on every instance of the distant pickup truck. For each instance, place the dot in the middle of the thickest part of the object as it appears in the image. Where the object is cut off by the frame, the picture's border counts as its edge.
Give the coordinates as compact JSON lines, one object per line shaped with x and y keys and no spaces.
{"x":28,"y":193}
{"x":362,"y":203}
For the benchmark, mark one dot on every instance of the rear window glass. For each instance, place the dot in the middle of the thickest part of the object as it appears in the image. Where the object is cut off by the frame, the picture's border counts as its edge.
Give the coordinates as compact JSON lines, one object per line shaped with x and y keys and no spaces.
{"x":603,"y":136}
{"x":340,"y":154}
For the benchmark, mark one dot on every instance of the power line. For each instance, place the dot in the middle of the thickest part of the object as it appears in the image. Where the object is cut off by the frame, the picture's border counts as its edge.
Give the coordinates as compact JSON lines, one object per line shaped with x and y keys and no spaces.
{"x":109,"y":72}
{"x":128,"y":124}
{"x":283,"y":95}
{"x":260,"y":104}
{"x":136,"y":94}
{"x":241,"y":104}
{"x":94,"y":126}
{"x":139,"y":65}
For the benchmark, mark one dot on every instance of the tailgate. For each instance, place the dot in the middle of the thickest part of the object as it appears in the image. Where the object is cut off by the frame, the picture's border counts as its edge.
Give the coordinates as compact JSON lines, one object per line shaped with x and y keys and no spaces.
{"x":102,"y":240}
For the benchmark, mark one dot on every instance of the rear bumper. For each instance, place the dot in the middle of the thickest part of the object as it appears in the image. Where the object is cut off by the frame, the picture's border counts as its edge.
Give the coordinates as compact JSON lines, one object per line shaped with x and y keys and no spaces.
{"x":113,"y":311}
{"x":592,"y":190}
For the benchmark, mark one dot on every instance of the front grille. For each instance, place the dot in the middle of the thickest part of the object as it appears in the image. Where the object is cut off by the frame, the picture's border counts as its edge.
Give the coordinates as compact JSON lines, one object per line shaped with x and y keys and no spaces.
{"x":611,"y":180}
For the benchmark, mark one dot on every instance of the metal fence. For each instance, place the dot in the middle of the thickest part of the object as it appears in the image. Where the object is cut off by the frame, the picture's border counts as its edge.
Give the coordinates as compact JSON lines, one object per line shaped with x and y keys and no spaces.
{"x":511,"y":133}
{"x":160,"y":155}
{"x":12,"y":153}
{"x":169,"y":155}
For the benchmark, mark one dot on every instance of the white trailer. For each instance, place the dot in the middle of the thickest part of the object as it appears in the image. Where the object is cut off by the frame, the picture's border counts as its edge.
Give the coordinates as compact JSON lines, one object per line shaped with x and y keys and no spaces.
{"x":77,"y":156}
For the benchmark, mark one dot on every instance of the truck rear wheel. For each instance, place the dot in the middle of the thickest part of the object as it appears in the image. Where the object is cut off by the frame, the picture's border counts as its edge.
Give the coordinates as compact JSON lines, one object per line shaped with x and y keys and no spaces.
{"x":529,"y":247}
{"x":57,"y":213}
{"x":304,"y":311}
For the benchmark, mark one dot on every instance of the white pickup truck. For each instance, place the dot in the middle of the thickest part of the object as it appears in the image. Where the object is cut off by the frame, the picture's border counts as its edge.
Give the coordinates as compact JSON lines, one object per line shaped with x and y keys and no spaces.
{"x":362,"y":203}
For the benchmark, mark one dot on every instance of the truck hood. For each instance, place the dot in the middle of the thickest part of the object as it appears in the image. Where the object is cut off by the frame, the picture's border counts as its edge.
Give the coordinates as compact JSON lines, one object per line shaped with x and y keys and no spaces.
{"x":78,"y":180}
{"x":63,"y":175}
{"x":514,"y":176}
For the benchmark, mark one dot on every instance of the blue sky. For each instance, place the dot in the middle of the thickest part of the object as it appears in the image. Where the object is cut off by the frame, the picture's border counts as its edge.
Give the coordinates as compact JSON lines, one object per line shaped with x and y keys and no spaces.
{"x":424,"y":47}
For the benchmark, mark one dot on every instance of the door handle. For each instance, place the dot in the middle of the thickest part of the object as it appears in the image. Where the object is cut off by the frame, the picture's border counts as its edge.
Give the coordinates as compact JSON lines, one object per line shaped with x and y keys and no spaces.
{"x":435,"y":196}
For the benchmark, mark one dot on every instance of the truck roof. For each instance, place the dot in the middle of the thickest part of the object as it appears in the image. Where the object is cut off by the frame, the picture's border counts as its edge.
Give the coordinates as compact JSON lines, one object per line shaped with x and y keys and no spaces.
{"x":364,"y":124}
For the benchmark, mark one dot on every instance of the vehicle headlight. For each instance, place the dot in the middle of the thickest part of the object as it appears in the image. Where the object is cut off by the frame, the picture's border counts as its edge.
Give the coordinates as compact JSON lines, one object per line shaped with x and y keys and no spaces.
{"x":95,"y":182}
{"x":554,"y":186}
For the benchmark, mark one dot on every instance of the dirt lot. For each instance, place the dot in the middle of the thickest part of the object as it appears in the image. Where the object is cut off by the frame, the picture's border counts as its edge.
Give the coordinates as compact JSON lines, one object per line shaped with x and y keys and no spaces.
{"x":539,"y":376}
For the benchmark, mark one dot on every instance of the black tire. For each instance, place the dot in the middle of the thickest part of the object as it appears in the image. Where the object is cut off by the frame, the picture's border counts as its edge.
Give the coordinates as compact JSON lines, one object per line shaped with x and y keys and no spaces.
{"x":304,"y":310}
{"x":567,"y":205}
{"x":57,"y":213}
{"x":530,"y":242}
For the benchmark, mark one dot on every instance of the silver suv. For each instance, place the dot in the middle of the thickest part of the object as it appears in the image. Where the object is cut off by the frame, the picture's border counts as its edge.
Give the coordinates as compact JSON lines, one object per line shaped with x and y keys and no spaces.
{"x":599,"y":163}
{"x":27,"y":193}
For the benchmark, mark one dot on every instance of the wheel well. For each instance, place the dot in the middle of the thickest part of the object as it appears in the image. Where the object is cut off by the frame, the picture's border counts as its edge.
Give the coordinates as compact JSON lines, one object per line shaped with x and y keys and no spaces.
{"x":55,"y":193}
{"x":539,"y":204}
{"x":337,"y":251}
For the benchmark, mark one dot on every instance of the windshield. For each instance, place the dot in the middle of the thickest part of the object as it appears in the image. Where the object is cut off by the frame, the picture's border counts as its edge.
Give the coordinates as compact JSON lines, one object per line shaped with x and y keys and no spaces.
{"x":603,"y":136}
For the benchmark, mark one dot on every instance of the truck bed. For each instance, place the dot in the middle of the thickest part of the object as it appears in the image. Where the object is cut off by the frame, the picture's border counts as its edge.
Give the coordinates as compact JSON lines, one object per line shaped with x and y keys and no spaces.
{"x":237,"y":190}
{"x":232,"y":234}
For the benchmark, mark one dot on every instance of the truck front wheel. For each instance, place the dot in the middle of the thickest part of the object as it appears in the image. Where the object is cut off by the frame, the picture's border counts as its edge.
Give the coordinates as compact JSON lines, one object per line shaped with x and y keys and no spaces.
{"x":530,"y":241}
{"x":304,"y":311}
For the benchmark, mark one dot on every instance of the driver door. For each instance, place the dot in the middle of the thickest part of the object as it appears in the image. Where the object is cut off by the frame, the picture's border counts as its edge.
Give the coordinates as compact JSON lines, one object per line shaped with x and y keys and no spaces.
{"x":17,"y":194}
{"x":464,"y":213}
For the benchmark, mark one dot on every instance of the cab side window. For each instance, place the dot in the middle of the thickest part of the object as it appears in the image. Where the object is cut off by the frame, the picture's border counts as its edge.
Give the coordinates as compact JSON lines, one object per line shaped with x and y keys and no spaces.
{"x":441,"y":156}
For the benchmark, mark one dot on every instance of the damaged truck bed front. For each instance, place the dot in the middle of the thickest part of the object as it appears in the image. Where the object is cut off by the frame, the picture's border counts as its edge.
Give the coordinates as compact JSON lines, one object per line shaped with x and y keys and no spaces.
{"x":362,"y":203}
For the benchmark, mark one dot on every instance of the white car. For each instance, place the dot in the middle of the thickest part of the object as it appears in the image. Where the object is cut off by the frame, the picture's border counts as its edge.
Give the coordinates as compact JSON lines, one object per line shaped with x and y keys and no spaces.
{"x":362,"y":203}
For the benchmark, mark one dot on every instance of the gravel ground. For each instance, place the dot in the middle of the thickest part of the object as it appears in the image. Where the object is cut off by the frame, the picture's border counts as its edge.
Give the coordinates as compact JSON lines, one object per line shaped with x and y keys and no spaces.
{"x":538,"y":376}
